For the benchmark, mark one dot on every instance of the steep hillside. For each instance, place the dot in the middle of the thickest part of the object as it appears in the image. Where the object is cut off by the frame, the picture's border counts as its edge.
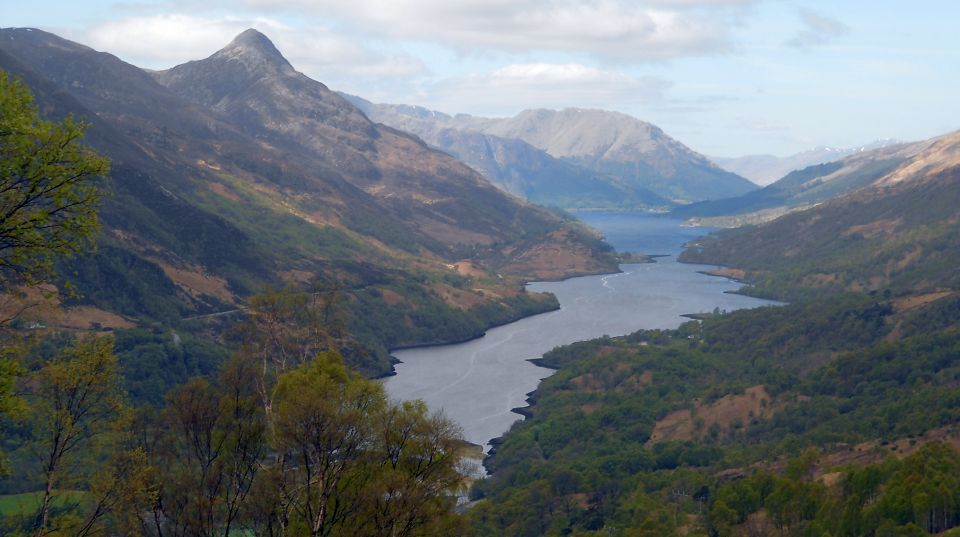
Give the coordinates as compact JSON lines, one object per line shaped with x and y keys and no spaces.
{"x":513,"y":164}
{"x":616,"y":151}
{"x":253,"y":85}
{"x":810,"y":185}
{"x":245,"y":174}
{"x":638,"y":154}
{"x":760,"y":422}
{"x":766,"y":169}
{"x":900,"y":233}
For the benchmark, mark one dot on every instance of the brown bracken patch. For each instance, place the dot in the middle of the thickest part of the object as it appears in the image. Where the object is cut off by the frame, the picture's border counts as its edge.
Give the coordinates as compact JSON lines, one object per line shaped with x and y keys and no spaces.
{"x":732,"y":273}
{"x":469,"y":268}
{"x":875,"y":451}
{"x":40,"y":307}
{"x":89,"y":317}
{"x":730,"y":410}
{"x":195,"y":282}
{"x":910,"y":258}
{"x":587,"y":382}
{"x":391,"y":297}
{"x":221,"y":190}
{"x":554,"y":257}
{"x":820,"y":280}
{"x":451,"y":234}
{"x":296,"y":276}
{"x":620,"y":380}
{"x":875,"y":228}
{"x":908,"y":303}
{"x":457,"y":298}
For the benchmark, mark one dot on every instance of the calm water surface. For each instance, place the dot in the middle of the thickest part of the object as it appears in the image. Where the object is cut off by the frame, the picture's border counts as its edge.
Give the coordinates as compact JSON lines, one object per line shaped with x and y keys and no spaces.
{"x":478,"y":383}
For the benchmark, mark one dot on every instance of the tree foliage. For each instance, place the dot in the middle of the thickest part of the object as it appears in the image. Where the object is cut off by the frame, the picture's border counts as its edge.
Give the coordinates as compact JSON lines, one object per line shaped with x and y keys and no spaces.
{"x":333,"y":457}
{"x":830,"y":378}
{"x":207,"y":446}
{"x":48,"y":210}
{"x":48,"y":192}
{"x":79,"y":435}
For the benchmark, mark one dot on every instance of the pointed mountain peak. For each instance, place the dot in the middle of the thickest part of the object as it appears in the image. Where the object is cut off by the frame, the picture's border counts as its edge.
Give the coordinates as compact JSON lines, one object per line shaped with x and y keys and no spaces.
{"x":255,"y":50}
{"x":253,"y":39}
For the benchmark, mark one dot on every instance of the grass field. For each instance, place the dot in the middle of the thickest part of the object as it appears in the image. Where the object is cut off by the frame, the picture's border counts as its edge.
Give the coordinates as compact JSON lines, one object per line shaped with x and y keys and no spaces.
{"x":28,"y":503}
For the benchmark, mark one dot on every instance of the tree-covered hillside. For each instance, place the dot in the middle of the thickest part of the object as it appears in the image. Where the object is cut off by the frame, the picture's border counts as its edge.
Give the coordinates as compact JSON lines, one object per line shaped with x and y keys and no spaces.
{"x":834,"y":415}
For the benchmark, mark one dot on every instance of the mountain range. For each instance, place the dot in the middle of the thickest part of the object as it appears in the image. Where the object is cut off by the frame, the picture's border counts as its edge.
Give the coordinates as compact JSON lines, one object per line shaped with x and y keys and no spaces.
{"x":766,"y":169}
{"x":574,"y":158}
{"x":898,"y":231}
{"x":237,"y":173}
{"x":812,"y":185}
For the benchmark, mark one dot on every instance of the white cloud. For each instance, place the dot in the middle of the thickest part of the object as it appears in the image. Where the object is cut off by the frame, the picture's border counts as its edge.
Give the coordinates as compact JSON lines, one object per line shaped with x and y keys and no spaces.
{"x":625,"y":30}
{"x":165,"y":40}
{"x":161,"y":41}
{"x":327,"y":54}
{"x":818,"y":29}
{"x":536,"y":85}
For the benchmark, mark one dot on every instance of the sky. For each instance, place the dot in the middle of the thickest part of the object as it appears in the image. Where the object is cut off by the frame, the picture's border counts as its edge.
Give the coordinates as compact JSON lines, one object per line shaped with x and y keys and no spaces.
{"x":725,"y":77}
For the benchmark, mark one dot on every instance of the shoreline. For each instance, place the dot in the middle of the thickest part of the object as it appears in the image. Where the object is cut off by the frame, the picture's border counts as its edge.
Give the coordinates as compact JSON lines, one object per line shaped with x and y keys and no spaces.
{"x":743,"y":282}
{"x":394,"y":360}
{"x":720,"y":274}
{"x":527,"y":409}
{"x":526,"y":412}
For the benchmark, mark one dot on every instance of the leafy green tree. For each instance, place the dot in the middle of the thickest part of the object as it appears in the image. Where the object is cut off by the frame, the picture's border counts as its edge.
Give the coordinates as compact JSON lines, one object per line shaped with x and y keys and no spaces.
{"x":285,"y":329}
{"x":80,"y":423}
{"x":76,"y":398}
{"x":48,"y":192}
{"x":211,"y":442}
{"x":347,"y":462}
{"x":415,"y":465}
{"x":323,"y":424}
{"x":332,"y":458}
{"x":723,"y":518}
{"x":48,"y":205}
{"x":923,"y":490}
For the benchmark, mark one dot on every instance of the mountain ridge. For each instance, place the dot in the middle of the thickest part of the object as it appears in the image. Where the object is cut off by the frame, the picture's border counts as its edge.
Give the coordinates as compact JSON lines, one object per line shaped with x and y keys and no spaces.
{"x":809,"y":186}
{"x":216,"y":196}
{"x":898,"y":230}
{"x":617,"y":144}
{"x":630,"y":156}
{"x":512,"y":164}
{"x":766,"y":169}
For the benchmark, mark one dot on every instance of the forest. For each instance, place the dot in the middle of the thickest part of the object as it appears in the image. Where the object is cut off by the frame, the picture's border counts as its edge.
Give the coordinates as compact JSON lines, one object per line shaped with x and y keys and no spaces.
{"x":836,"y":414}
{"x":704,"y":429}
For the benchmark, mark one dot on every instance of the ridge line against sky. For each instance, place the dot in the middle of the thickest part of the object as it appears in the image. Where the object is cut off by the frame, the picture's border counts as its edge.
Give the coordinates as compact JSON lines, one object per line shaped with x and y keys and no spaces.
{"x":726,"y":77}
